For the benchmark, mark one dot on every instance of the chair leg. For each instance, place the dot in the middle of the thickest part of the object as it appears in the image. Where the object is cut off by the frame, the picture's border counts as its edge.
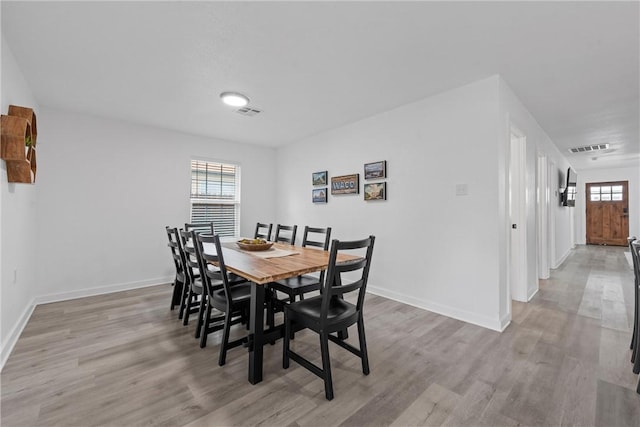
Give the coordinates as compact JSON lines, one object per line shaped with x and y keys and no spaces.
{"x":270,"y":298}
{"x":183,"y":300}
{"x":225,"y":338}
{"x":201,"y":313}
{"x":285,"y":341}
{"x":636,"y":361}
{"x":177,"y":292}
{"x":204,"y":326}
{"x":633,"y":345}
{"x":326,"y":366}
{"x":245,"y":316}
{"x":363,"y":348}
{"x":187,"y":310}
{"x":635,"y":358}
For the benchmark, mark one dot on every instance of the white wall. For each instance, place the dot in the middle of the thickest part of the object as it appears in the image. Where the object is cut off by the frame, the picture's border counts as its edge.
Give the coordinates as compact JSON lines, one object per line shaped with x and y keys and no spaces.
{"x":603,"y":175}
{"x":17,"y":221}
{"x":434,"y":249}
{"x":107,"y":189}
{"x":513,"y":112}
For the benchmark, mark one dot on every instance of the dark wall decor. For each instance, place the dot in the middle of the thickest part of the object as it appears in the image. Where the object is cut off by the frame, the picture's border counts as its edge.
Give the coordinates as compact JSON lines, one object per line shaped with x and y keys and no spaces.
{"x":18,"y":148}
{"x":375,"y":191}
{"x":319,"y":195}
{"x":345,"y":184}
{"x":319,"y":178}
{"x":375,"y":170}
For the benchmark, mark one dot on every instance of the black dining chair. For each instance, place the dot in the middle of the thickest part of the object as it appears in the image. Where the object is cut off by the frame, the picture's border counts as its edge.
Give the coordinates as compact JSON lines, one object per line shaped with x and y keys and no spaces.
{"x":289,"y":235}
{"x":329,"y":313}
{"x":633,"y":346}
{"x":177,"y":255}
{"x":299,"y":285}
{"x":194,"y":299}
{"x":635,"y":254}
{"x":231,"y":299}
{"x":200,"y":227}
{"x":263,"y":231}
{"x":635,"y":357}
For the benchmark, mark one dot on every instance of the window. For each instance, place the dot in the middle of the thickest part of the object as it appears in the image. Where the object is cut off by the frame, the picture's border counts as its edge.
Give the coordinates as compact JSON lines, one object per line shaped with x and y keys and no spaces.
{"x":215,"y":195}
{"x":606,"y":193}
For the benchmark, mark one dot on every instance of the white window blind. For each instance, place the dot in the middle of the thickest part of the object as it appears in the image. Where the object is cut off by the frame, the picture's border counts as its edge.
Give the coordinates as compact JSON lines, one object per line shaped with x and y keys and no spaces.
{"x":215,"y":195}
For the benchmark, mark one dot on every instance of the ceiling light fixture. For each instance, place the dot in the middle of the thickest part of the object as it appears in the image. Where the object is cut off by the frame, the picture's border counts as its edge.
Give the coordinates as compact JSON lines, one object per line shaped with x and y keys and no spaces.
{"x":234,"y":99}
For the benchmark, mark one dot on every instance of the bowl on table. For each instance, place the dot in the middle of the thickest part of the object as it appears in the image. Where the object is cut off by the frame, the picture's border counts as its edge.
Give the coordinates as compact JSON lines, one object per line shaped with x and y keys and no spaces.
{"x":254,"y":244}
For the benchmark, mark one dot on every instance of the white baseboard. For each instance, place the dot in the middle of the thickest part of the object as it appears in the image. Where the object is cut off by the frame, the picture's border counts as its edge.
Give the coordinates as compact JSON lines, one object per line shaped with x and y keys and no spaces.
{"x":505,"y":321}
{"x":16,"y":331}
{"x":466,"y":316}
{"x":7,"y":347}
{"x":562,"y":259}
{"x":108,"y":289}
{"x":533,"y":294}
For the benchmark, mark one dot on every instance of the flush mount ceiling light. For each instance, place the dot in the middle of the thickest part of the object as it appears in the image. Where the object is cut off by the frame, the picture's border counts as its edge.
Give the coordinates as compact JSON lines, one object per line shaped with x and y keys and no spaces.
{"x":234,"y":99}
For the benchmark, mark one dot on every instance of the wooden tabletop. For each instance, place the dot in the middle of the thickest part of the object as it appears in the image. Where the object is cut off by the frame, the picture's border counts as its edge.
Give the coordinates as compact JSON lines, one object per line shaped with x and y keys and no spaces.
{"x":264,"y":270}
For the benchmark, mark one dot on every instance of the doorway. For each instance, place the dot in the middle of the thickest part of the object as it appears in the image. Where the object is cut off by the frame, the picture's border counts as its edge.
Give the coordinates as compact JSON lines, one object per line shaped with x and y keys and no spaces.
{"x":607,"y":213}
{"x":517,"y":212}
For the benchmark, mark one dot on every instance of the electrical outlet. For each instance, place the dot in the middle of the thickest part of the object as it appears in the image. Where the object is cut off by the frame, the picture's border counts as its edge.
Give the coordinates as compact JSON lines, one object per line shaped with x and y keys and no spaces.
{"x":462,"y":189}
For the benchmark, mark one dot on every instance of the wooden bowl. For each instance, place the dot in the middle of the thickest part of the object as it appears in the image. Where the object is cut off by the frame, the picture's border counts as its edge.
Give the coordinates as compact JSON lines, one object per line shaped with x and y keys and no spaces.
{"x":254,"y":246}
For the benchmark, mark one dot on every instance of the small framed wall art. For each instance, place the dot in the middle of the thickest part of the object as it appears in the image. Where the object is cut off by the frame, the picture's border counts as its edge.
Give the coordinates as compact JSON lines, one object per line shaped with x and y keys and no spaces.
{"x":375,"y":170}
{"x":375,"y":191}
{"x":319,"y":195}
{"x":319,"y":178}
{"x":345,"y":184}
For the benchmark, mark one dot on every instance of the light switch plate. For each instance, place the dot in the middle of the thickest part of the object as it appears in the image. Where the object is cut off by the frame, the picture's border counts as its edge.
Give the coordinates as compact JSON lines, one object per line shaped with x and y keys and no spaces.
{"x":462,"y":189}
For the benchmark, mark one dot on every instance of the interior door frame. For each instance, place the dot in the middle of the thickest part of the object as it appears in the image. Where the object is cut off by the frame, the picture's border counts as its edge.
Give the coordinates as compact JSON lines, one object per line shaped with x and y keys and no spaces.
{"x":518,"y":215}
{"x":543,"y":216}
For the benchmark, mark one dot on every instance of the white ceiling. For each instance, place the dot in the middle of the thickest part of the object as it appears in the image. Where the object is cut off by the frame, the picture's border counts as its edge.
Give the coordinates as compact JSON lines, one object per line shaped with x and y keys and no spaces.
{"x":313,"y":66}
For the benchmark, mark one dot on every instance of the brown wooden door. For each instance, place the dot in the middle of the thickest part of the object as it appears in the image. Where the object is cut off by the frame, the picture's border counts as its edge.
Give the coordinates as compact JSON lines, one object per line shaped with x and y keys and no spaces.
{"x":607,"y":213}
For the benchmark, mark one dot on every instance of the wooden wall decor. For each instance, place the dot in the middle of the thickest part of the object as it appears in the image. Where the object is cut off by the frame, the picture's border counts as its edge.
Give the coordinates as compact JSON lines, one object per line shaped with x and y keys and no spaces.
{"x":18,"y":148}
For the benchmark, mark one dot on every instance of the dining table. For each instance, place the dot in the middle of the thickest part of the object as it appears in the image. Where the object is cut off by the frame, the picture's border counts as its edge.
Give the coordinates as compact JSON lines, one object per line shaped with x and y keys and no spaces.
{"x":279,"y":262}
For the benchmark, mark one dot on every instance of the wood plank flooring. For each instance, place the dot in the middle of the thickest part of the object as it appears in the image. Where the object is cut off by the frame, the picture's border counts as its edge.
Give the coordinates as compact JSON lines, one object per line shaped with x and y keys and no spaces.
{"x":124,"y":359}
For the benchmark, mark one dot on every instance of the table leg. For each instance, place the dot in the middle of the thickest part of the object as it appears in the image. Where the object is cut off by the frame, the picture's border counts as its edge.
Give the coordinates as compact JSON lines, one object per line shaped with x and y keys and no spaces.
{"x":257,"y":330}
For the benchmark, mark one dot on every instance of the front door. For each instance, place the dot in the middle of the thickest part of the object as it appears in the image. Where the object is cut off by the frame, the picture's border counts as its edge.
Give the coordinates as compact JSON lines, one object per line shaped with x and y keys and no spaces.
{"x":607,"y":213}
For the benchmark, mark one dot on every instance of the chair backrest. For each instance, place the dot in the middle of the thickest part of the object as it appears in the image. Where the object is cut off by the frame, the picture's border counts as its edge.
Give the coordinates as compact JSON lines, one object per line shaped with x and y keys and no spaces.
{"x":630,"y":240}
{"x":261,"y":233}
{"x":308,"y":241}
{"x":212,"y":279}
{"x":199,"y":227}
{"x":316,"y":232}
{"x":635,"y":256}
{"x":191,"y":259}
{"x":177,"y":253}
{"x":334,"y":286}
{"x":185,"y":237}
{"x":289,"y":237}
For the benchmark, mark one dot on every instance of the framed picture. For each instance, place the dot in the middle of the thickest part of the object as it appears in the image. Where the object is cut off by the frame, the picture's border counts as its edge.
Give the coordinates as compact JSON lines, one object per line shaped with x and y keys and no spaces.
{"x":319,"y":178}
{"x":345,"y":184}
{"x":375,"y":170}
{"x":375,"y":191}
{"x":319,"y":195}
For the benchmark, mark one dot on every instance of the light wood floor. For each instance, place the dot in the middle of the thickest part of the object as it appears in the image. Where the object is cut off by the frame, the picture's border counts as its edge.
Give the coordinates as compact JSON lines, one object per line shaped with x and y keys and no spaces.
{"x":123,"y":359}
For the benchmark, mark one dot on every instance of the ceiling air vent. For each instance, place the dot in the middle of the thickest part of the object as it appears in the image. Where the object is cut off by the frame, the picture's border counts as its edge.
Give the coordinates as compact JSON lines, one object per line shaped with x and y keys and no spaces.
{"x":248,"y":111}
{"x":589,"y":148}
